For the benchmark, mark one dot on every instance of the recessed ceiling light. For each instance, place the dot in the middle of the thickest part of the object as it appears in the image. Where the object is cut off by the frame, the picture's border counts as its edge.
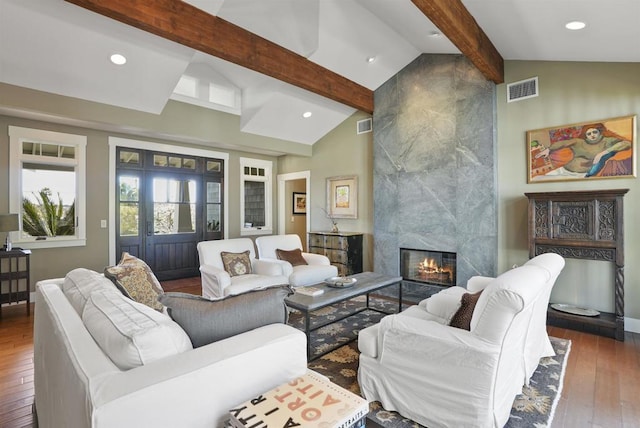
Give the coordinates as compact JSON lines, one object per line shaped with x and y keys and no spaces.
{"x":306,"y":114}
{"x":435,"y":34}
{"x":575,"y":25}
{"x":118,"y":59}
{"x":370,"y":59}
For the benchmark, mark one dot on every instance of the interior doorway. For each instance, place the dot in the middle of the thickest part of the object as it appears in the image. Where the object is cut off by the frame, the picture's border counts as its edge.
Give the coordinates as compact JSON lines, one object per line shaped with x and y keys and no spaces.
{"x":294,"y":204}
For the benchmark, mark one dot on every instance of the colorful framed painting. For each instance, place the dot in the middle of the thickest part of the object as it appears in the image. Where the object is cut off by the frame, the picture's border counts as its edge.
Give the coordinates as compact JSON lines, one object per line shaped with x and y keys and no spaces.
{"x":583,"y":151}
{"x":342,"y":197}
{"x":299,"y":203}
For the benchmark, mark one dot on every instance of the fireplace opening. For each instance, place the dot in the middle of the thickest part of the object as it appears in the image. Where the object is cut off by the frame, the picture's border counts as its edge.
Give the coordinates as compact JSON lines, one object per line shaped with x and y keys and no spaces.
{"x":428,"y":266}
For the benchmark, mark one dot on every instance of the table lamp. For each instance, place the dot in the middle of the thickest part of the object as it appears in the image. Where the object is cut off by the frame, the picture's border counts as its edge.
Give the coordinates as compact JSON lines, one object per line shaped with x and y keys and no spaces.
{"x":9,"y":223}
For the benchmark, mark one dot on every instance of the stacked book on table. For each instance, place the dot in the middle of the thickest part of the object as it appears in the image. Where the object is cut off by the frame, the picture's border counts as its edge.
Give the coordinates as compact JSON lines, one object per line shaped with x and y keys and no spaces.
{"x":309,"y":291}
{"x":310,"y":401}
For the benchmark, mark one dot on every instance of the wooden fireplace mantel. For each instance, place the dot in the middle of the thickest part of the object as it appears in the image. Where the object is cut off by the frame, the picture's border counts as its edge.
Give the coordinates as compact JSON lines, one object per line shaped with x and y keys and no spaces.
{"x":582,"y":225}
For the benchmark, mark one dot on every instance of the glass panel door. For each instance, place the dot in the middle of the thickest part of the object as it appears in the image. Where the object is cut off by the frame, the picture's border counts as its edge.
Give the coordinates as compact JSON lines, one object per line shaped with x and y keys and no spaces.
{"x":174,"y":224}
{"x":166,"y":204}
{"x":174,"y":205}
{"x":129,"y":211}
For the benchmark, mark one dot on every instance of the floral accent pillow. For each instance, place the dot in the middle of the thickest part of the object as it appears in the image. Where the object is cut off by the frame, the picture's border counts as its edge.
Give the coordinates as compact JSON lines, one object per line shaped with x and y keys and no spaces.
{"x":134,"y":279}
{"x":292,"y":256}
{"x":462,"y":318}
{"x":236,"y":263}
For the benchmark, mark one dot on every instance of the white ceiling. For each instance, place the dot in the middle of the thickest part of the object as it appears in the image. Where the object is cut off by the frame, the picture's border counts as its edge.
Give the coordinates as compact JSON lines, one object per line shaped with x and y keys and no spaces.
{"x":57,"y":47}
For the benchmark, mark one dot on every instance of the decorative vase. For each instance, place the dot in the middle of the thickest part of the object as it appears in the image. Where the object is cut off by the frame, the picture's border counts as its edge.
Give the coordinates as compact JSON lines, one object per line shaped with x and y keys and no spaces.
{"x":334,"y":229}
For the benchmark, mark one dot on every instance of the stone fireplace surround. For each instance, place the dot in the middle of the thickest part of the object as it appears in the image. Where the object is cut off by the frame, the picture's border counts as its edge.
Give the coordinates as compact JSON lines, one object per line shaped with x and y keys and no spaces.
{"x":434,"y":172}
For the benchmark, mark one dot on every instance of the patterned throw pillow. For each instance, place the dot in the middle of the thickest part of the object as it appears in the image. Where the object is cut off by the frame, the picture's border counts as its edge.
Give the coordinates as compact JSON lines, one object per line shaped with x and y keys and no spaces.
{"x":292,"y":256}
{"x":236,"y":263}
{"x":462,"y":317}
{"x":135,"y":279}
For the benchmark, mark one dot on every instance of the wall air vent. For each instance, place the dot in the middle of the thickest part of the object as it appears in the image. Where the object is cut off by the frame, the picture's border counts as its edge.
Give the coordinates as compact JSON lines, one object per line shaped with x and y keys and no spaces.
{"x":518,"y":91}
{"x":364,"y":126}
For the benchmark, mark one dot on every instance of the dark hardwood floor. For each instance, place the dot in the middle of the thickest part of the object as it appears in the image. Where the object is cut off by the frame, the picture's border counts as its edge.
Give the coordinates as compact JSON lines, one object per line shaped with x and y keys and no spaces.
{"x":601,"y":385}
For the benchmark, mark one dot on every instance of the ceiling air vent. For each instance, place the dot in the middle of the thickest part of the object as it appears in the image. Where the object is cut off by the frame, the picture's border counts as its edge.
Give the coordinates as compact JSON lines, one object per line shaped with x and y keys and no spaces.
{"x":522,"y":90}
{"x":364,"y":126}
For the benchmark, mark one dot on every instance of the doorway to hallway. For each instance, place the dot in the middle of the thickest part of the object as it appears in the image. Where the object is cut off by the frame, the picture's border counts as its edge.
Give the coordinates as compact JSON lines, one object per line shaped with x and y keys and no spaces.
{"x":291,"y":217}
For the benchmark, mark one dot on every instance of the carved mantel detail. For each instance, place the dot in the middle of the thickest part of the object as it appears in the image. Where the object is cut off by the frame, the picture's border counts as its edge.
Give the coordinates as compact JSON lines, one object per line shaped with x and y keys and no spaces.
{"x":582,"y":225}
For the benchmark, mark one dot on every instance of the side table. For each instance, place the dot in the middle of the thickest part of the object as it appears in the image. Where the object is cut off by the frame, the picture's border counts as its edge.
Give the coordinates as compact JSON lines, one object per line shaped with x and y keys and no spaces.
{"x":15,"y":283}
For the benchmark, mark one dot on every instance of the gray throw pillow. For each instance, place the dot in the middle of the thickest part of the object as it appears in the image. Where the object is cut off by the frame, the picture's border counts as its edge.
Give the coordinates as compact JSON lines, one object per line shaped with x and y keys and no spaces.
{"x":206,"y":321}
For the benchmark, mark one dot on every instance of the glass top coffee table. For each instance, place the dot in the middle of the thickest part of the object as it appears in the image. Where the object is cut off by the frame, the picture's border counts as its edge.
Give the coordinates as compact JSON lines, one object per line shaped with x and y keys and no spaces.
{"x":366,"y":283}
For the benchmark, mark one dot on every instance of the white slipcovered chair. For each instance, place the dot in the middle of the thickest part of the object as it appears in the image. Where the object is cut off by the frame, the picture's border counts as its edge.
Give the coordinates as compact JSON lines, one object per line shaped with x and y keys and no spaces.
{"x":317,"y":269}
{"x":537,"y":343}
{"x":217,"y":283}
{"x":442,"y":376}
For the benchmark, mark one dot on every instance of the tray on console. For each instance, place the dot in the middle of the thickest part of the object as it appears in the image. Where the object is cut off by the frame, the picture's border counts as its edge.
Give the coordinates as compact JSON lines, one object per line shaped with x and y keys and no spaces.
{"x":571,"y":309}
{"x":340,"y":282}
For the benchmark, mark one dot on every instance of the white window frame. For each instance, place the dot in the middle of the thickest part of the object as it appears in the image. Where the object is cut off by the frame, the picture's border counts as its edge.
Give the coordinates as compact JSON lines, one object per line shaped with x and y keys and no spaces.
{"x":267,"y":229}
{"x":18,"y":135}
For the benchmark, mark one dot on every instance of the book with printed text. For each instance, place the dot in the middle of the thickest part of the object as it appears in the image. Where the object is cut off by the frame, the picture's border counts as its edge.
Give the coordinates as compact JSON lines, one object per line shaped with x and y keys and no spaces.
{"x":309,"y":291}
{"x":310,"y":401}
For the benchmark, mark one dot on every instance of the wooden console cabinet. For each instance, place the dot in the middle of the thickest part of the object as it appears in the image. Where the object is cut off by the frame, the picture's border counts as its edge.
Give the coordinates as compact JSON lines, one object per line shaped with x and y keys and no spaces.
{"x":344,"y":249}
{"x":582,"y":225}
{"x":15,"y":284}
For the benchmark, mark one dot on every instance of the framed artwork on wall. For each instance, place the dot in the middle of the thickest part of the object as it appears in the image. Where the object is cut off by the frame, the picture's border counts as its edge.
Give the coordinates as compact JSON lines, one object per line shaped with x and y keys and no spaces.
{"x":342,"y":196}
{"x":583,"y":151}
{"x":299,"y":203}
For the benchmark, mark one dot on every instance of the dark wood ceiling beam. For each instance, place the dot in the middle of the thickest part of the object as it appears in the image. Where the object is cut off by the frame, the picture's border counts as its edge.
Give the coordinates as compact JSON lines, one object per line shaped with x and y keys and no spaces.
{"x":189,"y":26}
{"x":457,"y":24}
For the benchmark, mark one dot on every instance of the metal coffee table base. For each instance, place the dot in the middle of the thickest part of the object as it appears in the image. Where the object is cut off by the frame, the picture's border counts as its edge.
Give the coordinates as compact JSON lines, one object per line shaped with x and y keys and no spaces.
{"x":367,"y":282}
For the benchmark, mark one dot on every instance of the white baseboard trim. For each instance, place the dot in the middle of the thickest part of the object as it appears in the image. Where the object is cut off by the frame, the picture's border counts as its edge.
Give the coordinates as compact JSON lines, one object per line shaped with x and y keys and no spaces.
{"x":632,"y":325}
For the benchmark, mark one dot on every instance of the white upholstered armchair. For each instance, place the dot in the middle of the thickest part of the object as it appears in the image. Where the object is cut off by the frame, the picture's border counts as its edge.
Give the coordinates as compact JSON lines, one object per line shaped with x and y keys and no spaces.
{"x":316,"y":269}
{"x":218,"y":282}
{"x":441,"y":376}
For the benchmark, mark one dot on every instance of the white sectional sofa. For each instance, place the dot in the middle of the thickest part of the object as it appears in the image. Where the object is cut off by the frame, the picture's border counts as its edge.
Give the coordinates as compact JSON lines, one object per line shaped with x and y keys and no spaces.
{"x":107,"y":361}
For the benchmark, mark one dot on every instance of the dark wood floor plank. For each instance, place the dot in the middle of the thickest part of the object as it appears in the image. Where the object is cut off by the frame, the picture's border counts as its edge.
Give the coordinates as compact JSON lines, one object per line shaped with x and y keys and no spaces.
{"x":9,"y":406}
{"x":607,"y":387}
{"x":16,"y":414}
{"x":628,"y":366}
{"x":579,"y":383}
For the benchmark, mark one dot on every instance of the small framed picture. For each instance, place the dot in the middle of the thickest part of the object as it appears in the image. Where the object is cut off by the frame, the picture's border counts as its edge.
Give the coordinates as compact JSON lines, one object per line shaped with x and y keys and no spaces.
{"x":299,"y":203}
{"x":342,"y":197}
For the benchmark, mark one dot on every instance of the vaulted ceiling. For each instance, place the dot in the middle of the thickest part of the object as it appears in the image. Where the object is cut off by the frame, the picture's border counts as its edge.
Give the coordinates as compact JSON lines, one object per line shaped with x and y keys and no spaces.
{"x":269,"y":61}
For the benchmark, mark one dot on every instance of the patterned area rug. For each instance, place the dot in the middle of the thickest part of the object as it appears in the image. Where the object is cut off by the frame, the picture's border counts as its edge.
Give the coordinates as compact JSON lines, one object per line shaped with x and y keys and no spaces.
{"x":533,"y":408}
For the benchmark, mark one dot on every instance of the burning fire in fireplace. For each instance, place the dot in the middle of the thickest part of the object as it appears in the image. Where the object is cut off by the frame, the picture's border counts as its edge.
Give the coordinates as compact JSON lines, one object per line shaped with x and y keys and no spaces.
{"x":428,"y":266}
{"x":429,"y":270}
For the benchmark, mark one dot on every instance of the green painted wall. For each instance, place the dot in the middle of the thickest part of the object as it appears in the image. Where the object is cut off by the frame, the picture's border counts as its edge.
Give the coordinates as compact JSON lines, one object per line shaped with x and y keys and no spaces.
{"x":340,"y":152}
{"x":569,"y":93}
